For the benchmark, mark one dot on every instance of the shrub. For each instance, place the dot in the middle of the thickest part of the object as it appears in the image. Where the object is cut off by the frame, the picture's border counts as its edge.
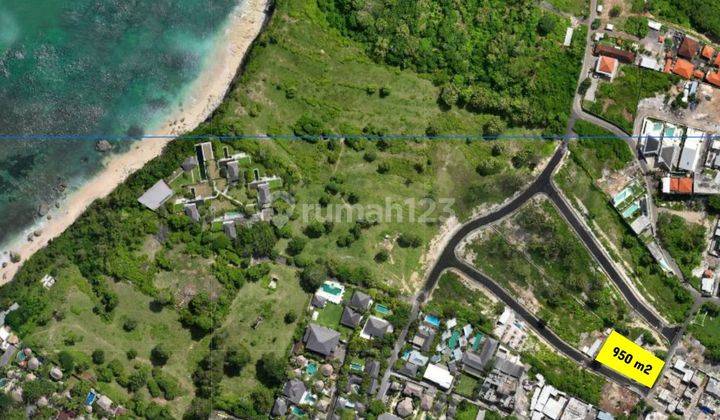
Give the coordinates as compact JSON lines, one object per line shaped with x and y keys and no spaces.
{"x":160,"y":354}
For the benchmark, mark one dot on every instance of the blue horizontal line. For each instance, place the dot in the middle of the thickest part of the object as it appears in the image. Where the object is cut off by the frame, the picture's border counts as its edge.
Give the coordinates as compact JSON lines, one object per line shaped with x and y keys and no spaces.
{"x":28,"y":137}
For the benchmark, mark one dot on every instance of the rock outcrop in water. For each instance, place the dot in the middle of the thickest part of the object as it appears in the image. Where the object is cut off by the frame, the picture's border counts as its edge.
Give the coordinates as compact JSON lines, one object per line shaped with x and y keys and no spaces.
{"x":103,"y":146}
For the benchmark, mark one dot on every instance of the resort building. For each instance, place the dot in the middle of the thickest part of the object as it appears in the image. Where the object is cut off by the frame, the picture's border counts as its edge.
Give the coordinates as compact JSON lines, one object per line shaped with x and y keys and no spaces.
{"x":156,"y":196}
{"x":607,"y":66}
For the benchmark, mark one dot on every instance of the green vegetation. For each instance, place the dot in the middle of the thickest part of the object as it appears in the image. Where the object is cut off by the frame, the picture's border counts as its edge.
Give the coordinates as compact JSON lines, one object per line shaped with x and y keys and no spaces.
{"x":685,"y":241}
{"x":599,"y":149}
{"x":706,"y":328}
{"x":702,"y":15}
{"x":453,"y":299}
{"x":495,"y":57}
{"x":636,"y":25}
{"x":577,"y":8}
{"x":553,"y":264}
{"x":466,"y":411}
{"x":617,"y":101}
{"x":565,"y":375}
{"x":577,"y":180}
{"x":466,"y":386}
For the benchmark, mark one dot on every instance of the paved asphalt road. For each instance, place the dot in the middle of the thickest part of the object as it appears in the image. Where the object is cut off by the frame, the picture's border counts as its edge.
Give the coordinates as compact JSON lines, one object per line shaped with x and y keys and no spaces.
{"x":543,"y":185}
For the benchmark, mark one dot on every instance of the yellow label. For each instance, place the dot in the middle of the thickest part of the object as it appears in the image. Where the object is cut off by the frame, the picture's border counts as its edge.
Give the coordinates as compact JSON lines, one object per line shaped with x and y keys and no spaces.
{"x":627,"y":358}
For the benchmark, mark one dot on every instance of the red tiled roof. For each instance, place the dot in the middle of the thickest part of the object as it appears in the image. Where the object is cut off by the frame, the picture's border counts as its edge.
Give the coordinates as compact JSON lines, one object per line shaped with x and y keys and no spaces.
{"x":708,"y":52}
{"x":683,"y":68}
{"x":689,"y":48}
{"x":684,"y":186}
{"x":713,"y":77}
{"x":668,"y":65}
{"x":717,"y":60}
{"x":622,"y":55}
{"x":699,"y":74}
{"x":607,"y":64}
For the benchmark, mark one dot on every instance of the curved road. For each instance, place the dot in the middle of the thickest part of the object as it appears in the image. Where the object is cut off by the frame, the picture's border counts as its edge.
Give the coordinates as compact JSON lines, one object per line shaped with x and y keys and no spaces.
{"x":543,"y":185}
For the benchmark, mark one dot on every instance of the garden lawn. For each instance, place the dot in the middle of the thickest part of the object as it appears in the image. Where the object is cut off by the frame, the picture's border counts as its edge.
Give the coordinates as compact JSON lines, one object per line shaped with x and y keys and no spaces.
{"x":91,"y":333}
{"x":666,"y":293}
{"x":706,"y":328}
{"x":272,"y":335}
{"x":617,"y":101}
{"x":466,"y":385}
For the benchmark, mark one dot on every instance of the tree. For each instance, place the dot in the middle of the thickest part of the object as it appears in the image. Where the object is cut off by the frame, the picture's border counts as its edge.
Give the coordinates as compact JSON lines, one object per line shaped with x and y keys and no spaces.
{"x":383,"y":168}
{"x":160,"y":354}
{"x":270,"y":370}
{"x":236,"y":358}
{"x":409,"y":240}
{"x":615,"y":11}
{"x":312,"y":277}
{"x":67,"y":361}
{"x":308,"y":128}
{"x":296,"y":245}
{"x":382,"y":256}
{"x":315,"y":229}
{"x":713,"y":204}
{"x":129,"y":325}
{"x":33,"y":390}
{"x":384,"y":92}
{"x":290,"y":317}
{"x":200,"y":409}
{"x":131,"y":354}
{"x":98,"y":357}
{"x":584,"y":86}
{"x":546,"y":24}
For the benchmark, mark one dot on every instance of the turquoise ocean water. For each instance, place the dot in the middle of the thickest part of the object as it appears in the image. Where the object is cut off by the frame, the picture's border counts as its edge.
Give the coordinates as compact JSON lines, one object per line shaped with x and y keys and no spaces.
{"x":91,"y":69}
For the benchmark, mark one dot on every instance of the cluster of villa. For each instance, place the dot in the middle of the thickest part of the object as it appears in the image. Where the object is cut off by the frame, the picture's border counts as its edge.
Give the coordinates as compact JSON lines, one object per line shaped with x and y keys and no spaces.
{"x":332,"y":371}
{"x":203,"y":179}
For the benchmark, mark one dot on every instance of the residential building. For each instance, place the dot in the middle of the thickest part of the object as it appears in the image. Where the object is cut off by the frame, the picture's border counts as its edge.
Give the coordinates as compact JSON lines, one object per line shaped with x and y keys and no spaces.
{"x":684,"y":68}
{"x":294,"y":390}
{"x":350,"y":318}
{"x":607,"y":66}
{"x":688,"y":48}
{"x":360,"y":301}
{"x":375,"y":328}
{"x":622,"y":55}
{"x":156,"y":195}
{"x":321,"y":340}
{"x":439,"y":376}
{"x":192,"y":212}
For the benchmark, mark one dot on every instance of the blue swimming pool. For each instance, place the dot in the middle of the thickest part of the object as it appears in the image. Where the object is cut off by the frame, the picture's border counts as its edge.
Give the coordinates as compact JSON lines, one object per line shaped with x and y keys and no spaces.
{"x":631,"y":210}
{"x":621,"y":196}
{"x":298,"y":411}
{"x":382,"y":309}
{"x":329,"y":288}
{"x":311,"y":368}
{"x":90,"y":399}
{"x":432,"y":320}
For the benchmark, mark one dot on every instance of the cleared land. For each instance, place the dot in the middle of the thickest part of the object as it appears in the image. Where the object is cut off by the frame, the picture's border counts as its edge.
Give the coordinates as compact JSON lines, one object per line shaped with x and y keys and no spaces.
{"x":536,"y":253}
{"x":577,"y":180}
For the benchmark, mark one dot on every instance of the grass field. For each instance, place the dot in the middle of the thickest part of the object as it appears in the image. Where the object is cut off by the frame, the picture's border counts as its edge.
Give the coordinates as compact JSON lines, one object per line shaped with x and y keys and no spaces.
{"x":90,"y":332}
{"x":272,"y":335}
{"x":617,"y":101}
{"x":467,"y":411}
{"x":576,"y":8}
{"x":551,"y":263}
{"x":706,"y":328}
{"x":666,"y":293}
{"x":466,"y":385}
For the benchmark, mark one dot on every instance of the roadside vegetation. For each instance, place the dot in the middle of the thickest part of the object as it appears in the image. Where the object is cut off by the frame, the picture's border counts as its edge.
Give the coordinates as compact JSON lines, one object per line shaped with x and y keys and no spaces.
{"x":536,"y":252}
{"x":577,"y":178}
{"x":685,"y":241}
{"x":564,"y":375}
{"x":617,"y":102}
{"x":451,"y":298}
{"x":701,"y":15}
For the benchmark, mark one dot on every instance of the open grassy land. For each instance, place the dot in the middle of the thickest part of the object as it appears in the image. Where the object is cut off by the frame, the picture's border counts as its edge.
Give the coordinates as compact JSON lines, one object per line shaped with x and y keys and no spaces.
{"x":577,"y":8}
{"x":617,"y":101}
{"x":706,"y":328}
{"x":577,"y":180}
{"x":564,"y":375}
{"x":78,"y":330}
{"x":685,"y":241}
{"x":536,"y":252}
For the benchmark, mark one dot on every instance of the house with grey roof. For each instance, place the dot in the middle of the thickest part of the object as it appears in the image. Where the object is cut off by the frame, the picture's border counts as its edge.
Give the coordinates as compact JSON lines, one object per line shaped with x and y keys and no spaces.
{"x":294,"y":390}
{"x":388,"y":416}
{"x":230,"y":229}
{"x":189,"y":164}
{"x":372,"y":368}
{"x":279,"y":408}
{"x":669,"y":156}
{"x":318,"y":301}
{"x":652,"y":146}
{"x":474,"y":363}
{"x":156,"y":195}
{"x":321,"y":340}
{"x":192,"y":212}
{"x":233,"y":171}
{"x":376,"y":327}
{"x":264,"y":195}
{"x":350,"y":318}
{"x":509,"y":368}
{"x":360,"y":301}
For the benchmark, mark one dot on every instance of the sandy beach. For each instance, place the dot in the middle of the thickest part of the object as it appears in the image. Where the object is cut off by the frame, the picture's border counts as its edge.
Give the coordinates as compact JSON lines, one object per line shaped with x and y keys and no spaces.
{"x":204,"y":95}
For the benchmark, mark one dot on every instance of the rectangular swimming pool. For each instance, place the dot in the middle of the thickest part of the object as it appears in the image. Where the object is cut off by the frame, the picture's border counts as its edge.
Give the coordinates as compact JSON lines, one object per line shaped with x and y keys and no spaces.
{"x":631,"y":210}
{"x":432,"y":320}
